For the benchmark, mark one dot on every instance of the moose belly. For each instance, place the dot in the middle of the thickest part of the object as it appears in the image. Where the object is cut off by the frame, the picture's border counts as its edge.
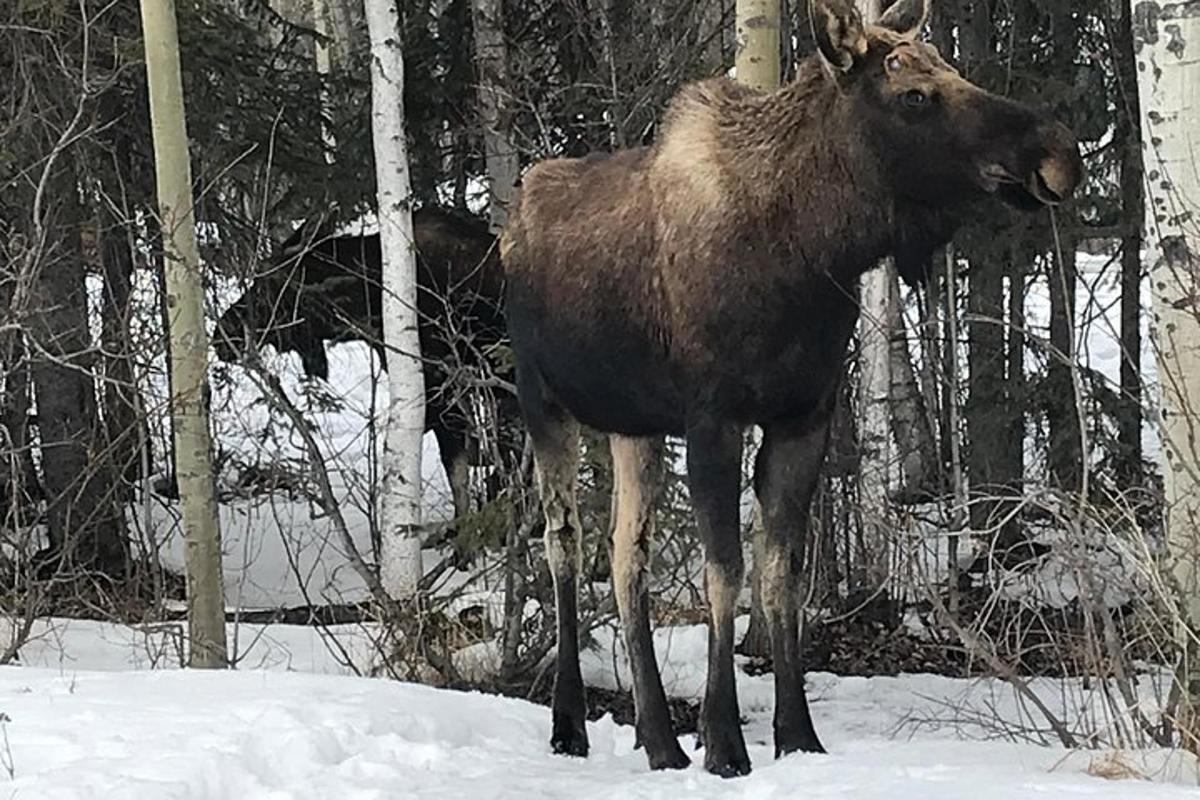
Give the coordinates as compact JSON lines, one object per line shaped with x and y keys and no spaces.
{"x":605,"y":370}
{"x":614,"y":386}
{"x":780,"y":362}
{"x":621,"y":385}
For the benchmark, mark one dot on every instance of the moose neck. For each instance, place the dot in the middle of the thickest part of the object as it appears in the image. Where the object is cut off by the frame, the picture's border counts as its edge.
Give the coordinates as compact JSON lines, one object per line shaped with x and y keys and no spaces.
{"x":807,"y":173}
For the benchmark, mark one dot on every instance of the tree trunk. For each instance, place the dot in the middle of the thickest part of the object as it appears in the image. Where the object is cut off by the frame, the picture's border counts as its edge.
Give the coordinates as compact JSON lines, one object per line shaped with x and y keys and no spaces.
{"x":323,"y":61}
{"x":953,"y":427}
{"x":124,"y":426}
{"x":1015,"y":385}
{"x":986,"y":417}
{"x":345,"y":29}
{"x":83,"y":518}
{"x":757,"y":64}
{"x":400,"y":493}
{"x":1167,"y":41}
{"x":188,"y":338}
{"x":757,"y":59}
{"x":22,"y":488}
{"x":879,"y":304}
{"x":491,"y":69}
{"x":874,"y":431}
{"x":1066,"y":457}
{"x":910,"y":417}
{"x":1128,"y":136}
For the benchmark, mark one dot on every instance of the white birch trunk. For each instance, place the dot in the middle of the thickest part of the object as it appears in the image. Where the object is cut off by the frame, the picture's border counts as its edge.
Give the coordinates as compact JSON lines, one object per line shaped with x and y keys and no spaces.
{"x":400,"y":493}
{"x":189,"y":340}
{"x":320,"y":21}
{"x":875,"y":382}
{"x":491,"y":65}
{"x":876,"y":465}
{"x":1167,"y":44}
{"x":756,"y":60}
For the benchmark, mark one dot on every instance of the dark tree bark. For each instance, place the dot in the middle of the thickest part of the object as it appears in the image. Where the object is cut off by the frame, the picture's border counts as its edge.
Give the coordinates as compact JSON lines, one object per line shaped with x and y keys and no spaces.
{"x":988,"y":425}
{"x":1016,"y":389}
{"x":988,"y":415}
{"x":1065,"y":455}
{"x":124,"y":427}
{"x":83,"y":514}
{"x":1129,"y":139}
{"x":911,"y":426}
{"x":20,"y":486}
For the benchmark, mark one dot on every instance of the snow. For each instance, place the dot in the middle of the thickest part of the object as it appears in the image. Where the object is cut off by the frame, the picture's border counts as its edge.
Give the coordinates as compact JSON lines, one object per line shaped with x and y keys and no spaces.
{"x":84,"y":718}
{"x":69,"y":645}
{"x":277,"y":735}
{"x":280,"y":551}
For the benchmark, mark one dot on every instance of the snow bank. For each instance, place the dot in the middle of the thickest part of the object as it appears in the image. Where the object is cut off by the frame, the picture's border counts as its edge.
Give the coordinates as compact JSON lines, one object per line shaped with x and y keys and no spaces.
{"x":265,"y":735}
{"x":270,"y":732}
{"x":68,"y":645}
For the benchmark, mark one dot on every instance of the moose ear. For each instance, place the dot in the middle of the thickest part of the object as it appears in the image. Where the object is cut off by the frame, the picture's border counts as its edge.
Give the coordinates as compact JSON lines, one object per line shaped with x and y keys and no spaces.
{"x":906,"y":17}
{"x":838,"y":31}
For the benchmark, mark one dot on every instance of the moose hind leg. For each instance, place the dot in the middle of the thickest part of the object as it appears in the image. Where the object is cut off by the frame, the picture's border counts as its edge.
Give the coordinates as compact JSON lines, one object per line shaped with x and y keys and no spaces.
{"x":636,"y":474}
{"x":714,"y":475}
{"x":556,"y":453}
{"x":456,"y":462}
{"x":785,"y":476}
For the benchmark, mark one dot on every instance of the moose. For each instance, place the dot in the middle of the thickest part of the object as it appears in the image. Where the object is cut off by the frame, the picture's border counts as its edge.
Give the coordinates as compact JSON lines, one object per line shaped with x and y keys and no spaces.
{"x":708,"y":282}
{"x":327,"y":288}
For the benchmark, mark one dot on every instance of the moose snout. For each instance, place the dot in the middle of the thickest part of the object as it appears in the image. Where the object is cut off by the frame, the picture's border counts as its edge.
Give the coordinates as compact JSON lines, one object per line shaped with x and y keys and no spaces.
{"x":1060,"y":170}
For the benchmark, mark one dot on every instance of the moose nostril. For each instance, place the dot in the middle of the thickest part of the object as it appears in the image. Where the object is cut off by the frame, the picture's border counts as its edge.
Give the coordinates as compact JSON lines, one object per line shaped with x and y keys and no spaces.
{"x":1056,"y":179}
{"x":1043,"y":191}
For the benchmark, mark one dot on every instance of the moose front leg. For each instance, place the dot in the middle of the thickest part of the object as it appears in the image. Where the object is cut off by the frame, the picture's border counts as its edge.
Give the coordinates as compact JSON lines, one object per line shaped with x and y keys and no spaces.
{"x":636,"y":477}
{"x":785,"y":475}
{"x":714,"y":474}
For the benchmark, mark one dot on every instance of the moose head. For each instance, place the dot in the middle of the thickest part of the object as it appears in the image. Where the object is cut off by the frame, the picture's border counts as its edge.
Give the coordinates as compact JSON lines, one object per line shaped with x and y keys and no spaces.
{"x":941,"y":141}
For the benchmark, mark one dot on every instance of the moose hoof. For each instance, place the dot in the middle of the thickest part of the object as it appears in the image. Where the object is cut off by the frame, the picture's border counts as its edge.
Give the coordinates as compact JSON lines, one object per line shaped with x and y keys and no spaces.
{"x":569,"y":738}
{"x":671,"y":757}
{"x":727,"y":757}
{"x":569,"y":746}
{"x":803,"y":743}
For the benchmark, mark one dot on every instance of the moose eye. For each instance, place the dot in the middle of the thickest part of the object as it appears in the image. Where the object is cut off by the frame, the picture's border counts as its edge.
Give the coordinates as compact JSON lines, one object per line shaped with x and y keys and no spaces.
{"x":914,"y":98}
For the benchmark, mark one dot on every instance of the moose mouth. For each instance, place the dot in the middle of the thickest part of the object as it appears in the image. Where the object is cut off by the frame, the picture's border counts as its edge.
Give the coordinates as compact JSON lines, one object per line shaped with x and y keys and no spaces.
{"x":1034,"y":190}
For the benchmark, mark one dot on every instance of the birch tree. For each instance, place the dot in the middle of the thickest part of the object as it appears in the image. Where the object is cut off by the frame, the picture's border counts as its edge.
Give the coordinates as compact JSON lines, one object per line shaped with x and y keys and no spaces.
{"x":1167,"y":45}
{"x":491,"y":66}
{"x":757,"y":59}
{"x":875,"y":383}
{"x":400,"y":468}
{"x":188,"y":338}
{"x":910,"y":416}
{"x":322,"y":57}
{"x":756,"y":24}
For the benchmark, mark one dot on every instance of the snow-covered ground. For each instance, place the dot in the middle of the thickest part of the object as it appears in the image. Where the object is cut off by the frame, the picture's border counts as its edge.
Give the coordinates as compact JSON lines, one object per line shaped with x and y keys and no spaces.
{"x":273,"y":735}
{"x":85,"y":719}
